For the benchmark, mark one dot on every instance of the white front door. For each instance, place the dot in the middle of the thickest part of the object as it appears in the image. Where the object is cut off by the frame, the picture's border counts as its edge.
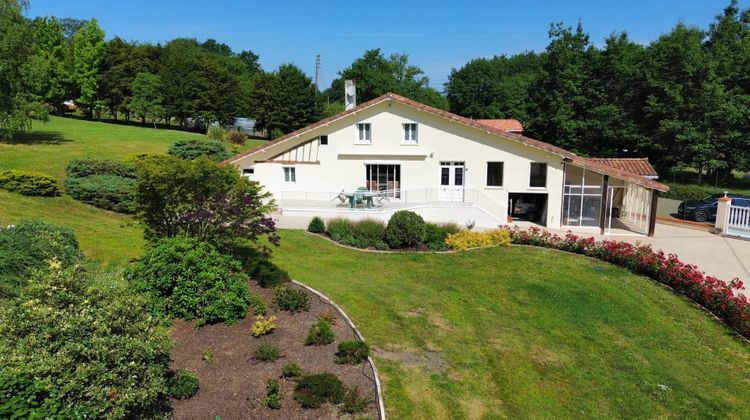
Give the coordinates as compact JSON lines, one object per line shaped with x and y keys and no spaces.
{"x":452,"y":176}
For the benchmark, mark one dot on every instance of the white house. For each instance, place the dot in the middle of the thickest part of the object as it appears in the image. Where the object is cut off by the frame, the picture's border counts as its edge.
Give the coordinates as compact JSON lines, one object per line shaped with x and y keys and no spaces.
{"x":445,"y":167}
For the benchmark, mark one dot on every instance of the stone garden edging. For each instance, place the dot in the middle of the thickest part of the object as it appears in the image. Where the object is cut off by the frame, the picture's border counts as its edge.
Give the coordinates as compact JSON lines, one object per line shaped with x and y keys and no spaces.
{"x":327,"y":300}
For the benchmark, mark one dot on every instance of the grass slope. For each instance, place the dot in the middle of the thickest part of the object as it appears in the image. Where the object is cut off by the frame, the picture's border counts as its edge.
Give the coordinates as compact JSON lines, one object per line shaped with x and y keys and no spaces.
{"x":50,"y":145}
{"x":523,"y":332}
{"x":104,"y":236}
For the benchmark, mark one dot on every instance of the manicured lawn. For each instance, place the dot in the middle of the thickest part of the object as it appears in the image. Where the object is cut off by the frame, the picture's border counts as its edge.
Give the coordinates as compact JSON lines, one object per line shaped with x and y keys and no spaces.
{"x":50,"y":145}
{"x":524,"y":332}
{"x":104,"y":236}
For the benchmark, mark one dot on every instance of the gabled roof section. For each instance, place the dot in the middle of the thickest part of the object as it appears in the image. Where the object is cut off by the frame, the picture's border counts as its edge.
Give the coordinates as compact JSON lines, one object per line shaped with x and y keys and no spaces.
{"x":568,"y":156}
{"x":640,"y":166}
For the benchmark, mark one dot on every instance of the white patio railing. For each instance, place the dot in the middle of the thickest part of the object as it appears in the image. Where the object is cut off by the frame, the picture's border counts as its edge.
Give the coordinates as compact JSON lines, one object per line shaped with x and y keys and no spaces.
{"x":398,"y":199}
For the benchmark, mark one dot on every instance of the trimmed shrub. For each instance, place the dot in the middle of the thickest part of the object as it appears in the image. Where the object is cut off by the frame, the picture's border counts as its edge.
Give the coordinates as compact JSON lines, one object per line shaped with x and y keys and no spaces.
{"x":183,"y":385}
{"x":339,"y":229}
{"x":472,"y":239}
{"x":273,"y":395}
{"x":320,"y":333}
{"x":316,"y":225}
{"x":79,"y":168}
{"x":267,"y":353}
{"x":87,"y":336}
{"x":192,"y":148}
{"x":268,"y":274}
{"x":235,"y":137}
{"x":29,"y":183}
{"x":215,"y":132}
{"x":258,"y":304}
{"x":405,"y":229}
{"x":263,"y":326}
{"x":352,"y":352}
{"x":30,"y":246}
{"x":679,"y":191}
{"x":291,"y":370}
{"x":187,"y":278}
{"x":435,"y":234}
{"x":314,"y":390}
{"x":111,"y":192}
{"x":368,"y":232}
{"x":354,"y":401}
{"x":292,"y":300}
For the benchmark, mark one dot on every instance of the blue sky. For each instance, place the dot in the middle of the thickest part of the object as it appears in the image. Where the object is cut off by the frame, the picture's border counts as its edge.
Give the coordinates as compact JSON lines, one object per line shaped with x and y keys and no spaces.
{"x":437,"y":35}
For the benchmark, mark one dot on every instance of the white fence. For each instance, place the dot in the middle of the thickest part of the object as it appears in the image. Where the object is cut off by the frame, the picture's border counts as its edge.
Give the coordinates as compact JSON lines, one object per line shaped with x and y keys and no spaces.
{"x":738,"y":221}
{"x":470,"y":204}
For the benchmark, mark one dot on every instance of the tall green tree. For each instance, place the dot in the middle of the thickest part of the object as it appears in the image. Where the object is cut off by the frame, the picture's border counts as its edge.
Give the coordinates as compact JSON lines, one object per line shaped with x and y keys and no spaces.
{"x":728,"y":48}
{"x":284,"y":100}
{"x":375,"y":74}
{"x":558,"y":96}
{"x":680,"y":88}
{"x":18,"y":106}
{"x":50,"y":50}
{"x":88,"y":46}
{"x":493,"y":88}
{"x":147,"y":100}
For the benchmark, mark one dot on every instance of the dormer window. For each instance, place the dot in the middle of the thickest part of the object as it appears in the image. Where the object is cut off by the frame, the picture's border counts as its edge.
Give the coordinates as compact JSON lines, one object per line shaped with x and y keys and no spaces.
{"x":364,"y":133}
{"x":410,"y":133}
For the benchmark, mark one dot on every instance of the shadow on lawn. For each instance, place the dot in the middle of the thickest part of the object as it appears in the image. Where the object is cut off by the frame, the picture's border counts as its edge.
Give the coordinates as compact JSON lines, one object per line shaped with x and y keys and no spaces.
{"x":37,"y":137}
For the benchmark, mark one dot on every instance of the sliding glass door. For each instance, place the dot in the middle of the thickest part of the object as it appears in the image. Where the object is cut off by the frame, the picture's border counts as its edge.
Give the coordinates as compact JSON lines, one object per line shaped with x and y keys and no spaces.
{"x":386,"y":178}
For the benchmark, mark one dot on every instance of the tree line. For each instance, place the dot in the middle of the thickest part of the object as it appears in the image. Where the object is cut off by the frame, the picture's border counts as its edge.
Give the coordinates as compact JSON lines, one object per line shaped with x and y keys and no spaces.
{"x":682,"y":101}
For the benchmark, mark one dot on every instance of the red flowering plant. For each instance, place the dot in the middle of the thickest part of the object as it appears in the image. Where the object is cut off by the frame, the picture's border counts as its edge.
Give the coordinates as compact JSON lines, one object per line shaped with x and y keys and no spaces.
{"x":718,"y":296}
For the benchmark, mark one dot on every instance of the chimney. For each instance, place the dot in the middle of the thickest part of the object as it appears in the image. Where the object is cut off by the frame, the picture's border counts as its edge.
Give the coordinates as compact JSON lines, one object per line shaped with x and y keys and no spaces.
{"x":350,"y":94}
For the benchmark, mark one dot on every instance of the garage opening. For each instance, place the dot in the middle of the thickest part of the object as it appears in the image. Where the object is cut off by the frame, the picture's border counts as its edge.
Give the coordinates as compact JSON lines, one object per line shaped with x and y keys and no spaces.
{"x":530,"y":207}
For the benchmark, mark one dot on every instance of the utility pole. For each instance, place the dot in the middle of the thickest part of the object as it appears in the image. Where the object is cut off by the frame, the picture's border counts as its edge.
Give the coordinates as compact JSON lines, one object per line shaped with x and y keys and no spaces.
{"x":317,"y":70}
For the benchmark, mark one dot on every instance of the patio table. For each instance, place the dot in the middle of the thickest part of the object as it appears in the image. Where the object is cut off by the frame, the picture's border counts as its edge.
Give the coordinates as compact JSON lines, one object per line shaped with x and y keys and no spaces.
{"x":363,"y":195}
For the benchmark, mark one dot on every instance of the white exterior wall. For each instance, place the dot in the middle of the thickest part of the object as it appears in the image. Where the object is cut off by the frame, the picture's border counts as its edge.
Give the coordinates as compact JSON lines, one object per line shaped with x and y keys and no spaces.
{"x":342,"y":161}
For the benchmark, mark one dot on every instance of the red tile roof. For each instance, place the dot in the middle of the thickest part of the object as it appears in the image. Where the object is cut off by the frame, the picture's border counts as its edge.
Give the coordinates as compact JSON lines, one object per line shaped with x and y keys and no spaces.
{"x":640,"y":166}
{"x":568,"y":156}
{"x":505,"y":125}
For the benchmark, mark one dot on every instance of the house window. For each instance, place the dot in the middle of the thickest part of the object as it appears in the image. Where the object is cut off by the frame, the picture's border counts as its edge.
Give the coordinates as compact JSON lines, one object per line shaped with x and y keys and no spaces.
{"x":248,"y":173}
{"x":290,"y":174}
{"x":386,"y":178}
{"x":364,"y":133}
{"x":494,"y":174}
{"x":410,"y":133}
{"x":538,"y":175}
{"x":323,"y":140}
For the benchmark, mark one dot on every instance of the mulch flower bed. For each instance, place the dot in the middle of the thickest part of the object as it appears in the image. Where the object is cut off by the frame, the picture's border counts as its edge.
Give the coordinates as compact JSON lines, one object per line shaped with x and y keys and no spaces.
{"x":233,"y":385}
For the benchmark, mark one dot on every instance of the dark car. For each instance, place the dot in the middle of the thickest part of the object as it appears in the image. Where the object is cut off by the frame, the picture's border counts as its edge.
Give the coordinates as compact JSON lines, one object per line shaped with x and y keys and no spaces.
{"x":705,"y":210}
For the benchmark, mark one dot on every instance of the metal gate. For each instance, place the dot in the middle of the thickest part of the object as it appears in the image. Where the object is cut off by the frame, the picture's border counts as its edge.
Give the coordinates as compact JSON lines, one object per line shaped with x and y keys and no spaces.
{"x":738,"y":221}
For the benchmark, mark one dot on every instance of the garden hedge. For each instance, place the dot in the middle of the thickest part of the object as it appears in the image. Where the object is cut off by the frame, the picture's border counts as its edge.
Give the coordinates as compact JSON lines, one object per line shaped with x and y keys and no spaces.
{"x":29,"y":183}
{"x":111,"y":192}
{"x":191,"y":149}
{"x":79,"y":168}
{"x":697,"y":192}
